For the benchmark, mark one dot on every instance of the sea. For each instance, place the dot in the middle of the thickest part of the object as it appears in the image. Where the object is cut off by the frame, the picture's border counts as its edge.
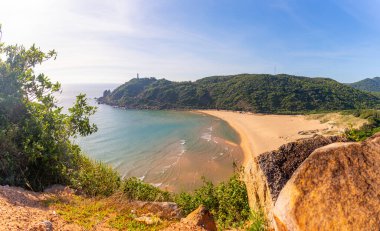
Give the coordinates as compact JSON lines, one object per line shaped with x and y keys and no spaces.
{"x":169,"y":149}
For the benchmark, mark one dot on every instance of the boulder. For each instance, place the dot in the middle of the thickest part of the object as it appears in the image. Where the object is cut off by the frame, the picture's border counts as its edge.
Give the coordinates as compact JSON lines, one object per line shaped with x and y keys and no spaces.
{"x":199,"y":219}
{"x":267,"y":174}
{"x":336,"y":188}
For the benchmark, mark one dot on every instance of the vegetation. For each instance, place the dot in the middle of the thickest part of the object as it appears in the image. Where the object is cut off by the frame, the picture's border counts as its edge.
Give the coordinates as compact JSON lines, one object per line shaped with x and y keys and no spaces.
{"x":368,"y":84}
{"x":367,"y":130}
{"x":103,"y":213}
{"x":135,"y":189}
{"x":37,"y":151}
{"x":228,"y":202}
{"x":36,"y":137}
{"x":258,"y":93}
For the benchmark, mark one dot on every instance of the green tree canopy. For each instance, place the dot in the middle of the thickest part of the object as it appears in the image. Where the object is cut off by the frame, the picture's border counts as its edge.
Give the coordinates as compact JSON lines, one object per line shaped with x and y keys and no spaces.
{"x":35,"y":136}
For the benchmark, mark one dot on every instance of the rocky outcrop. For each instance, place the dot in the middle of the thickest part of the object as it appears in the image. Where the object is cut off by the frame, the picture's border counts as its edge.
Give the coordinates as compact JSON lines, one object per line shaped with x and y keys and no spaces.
{"x":279,"y":165}
{"x":199,"y":219}
{"x":267,"y":174}
{"x":336,"y":188}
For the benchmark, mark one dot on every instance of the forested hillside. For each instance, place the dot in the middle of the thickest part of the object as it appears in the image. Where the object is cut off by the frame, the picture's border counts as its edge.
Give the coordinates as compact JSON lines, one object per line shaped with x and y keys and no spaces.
{"x":249,"y":92}
{"x":367,"y":84}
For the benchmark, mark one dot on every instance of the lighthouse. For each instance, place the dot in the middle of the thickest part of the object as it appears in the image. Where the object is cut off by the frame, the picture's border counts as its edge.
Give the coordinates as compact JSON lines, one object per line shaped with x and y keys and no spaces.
{"x":137,"y":75}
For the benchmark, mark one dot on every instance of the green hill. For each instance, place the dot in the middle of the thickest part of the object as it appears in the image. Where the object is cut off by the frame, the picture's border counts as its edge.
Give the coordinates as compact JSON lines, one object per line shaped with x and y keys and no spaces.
{"x":249,"y":92}
{"x":367,"y":84}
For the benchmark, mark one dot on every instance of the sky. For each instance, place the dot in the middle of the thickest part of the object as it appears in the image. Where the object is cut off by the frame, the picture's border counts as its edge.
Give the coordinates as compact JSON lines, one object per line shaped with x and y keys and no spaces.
{"x":110,"y":41}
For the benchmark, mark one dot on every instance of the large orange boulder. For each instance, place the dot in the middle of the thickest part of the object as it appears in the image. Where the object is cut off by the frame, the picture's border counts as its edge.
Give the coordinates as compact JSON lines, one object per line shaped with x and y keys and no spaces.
{"x":336,"y":188}
{"x":266,"y":174}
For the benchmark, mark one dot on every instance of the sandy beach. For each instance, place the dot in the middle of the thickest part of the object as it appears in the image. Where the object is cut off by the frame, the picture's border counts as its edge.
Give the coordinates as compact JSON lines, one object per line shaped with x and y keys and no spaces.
{"x":262,"y":133}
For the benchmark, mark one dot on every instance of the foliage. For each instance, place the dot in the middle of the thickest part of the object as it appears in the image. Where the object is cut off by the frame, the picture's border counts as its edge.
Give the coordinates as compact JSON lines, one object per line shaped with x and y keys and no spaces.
{"x":101,"y":213}
{"x":84,"y":212}
{"x":367,"y":130}
{"x":258,"y":222}
{"x":367,"y":84}
{"x":228,"y":201}
{"x":95,"y":178}
{"x":258,"y":93}
{"x":377,"y":94}
{"x":127,"y":222}
{"x":35,"y":136}
{"x":135,"y":189}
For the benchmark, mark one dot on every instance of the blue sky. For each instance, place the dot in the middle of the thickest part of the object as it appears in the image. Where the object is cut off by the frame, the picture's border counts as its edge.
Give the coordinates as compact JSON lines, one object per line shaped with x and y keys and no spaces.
{"x":111,"y":41}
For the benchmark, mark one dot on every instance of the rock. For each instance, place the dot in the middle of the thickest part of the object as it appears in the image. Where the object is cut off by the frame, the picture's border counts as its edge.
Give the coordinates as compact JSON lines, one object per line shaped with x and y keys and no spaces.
{"x":308,"y":132}
{"x":336,"y":188}
{"x":149,"y":220}
{"x":42,"y":226}
{"x":201,"y":217}
{"x":198,"y":220}
{"x":164,"y":210}
{"x":59,"y":189}
{"x":267,"y":174}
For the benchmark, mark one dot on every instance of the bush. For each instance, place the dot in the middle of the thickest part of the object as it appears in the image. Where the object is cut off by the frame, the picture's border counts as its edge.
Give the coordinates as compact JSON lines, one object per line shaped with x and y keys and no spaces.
{"x":135,"y":189}
{"x":228,"y":201}
{"x":367,"y":130}
{"x":95,"y":178}
{"x":257,"y":221}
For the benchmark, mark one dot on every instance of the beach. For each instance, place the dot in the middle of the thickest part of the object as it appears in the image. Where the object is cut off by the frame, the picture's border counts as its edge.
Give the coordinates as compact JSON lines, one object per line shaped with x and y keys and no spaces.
{"x":261,"y":133}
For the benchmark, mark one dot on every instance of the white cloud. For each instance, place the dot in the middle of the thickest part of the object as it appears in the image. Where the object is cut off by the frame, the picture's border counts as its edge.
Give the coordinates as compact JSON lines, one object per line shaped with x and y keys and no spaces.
{"x":110,"y":41}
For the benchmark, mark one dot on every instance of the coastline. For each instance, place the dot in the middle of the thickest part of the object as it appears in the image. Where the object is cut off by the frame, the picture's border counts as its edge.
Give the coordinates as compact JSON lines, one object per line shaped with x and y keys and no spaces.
{"x":261,"y":133}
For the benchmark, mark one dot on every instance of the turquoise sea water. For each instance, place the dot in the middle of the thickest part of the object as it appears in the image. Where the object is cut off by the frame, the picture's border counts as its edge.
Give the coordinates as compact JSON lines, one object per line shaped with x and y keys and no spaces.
{"x":170,"y":149}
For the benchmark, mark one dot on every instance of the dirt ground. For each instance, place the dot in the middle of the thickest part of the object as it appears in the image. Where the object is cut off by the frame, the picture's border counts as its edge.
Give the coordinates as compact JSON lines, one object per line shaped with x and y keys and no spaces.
{"x":24,"y":210}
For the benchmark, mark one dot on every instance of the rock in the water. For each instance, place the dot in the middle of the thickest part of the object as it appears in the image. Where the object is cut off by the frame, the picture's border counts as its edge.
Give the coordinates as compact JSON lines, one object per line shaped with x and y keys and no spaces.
{"x":336,"y":188}
{"x":268,"y":173}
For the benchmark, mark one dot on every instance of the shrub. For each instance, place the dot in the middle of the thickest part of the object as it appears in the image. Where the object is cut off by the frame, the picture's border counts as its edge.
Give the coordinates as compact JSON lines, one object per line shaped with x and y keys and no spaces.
{"x":257,"y":221}
{"x":367,"y":130}
{"x":135,"y":189}
{"x":95,"y":178}
{"x":228,"y":201}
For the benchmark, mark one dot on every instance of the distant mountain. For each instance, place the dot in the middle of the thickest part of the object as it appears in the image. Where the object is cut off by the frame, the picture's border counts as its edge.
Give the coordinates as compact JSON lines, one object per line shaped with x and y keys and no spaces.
{"x":367,"y":84}
{"x":249,"y":92}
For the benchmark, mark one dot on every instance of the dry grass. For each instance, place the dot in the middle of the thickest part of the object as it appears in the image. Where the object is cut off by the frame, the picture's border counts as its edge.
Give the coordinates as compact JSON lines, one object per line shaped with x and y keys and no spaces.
{"x":111,"y":213}
{"x":338,"y":121}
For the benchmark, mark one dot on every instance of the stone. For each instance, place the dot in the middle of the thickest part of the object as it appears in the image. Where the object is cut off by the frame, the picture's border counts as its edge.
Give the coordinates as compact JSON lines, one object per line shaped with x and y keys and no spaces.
{"x":42,"y":226}
{"x":266,"y":174}
{"x":199,"y":220}
{"x":164,"y":210}
{"x":201,"y":217}
{"x":149,"y":219}
{"x":336,"y":188}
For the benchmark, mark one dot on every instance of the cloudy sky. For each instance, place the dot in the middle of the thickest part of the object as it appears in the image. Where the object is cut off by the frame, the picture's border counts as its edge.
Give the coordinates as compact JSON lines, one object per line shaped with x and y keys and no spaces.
{"x":110,"y":41}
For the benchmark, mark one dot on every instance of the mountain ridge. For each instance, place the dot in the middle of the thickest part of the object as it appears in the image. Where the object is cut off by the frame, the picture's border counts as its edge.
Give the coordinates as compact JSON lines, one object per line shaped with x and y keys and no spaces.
{"x":368,"y":84}
{"x":262,"y":93}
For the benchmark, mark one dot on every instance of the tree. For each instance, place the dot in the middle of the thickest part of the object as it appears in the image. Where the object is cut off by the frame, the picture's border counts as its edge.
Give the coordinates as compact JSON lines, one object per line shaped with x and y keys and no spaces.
{"x":35,"y":136}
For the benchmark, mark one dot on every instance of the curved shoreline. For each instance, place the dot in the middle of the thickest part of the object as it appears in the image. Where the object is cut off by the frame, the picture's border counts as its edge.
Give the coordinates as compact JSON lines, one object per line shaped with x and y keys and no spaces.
{"x":261,"y":133}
